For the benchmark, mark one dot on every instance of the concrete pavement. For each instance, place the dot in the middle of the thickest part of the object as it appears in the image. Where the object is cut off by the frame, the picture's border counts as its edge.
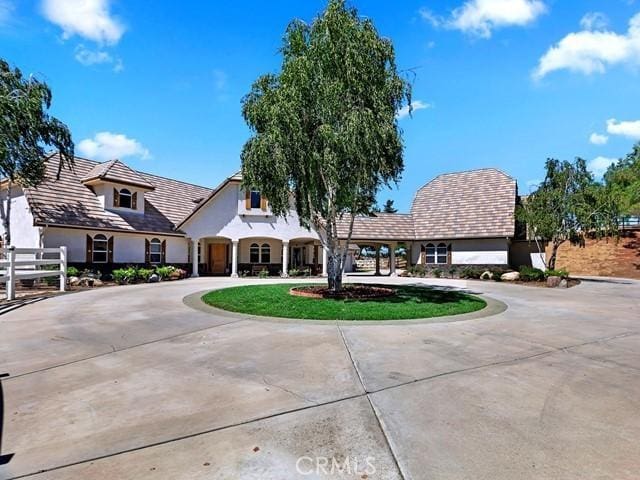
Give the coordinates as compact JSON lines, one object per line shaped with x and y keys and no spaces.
{"x":129,"y":382}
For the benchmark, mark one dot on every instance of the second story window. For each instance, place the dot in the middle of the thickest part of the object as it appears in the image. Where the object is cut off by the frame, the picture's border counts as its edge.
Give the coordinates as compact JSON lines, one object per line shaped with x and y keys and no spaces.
{"x":255,"y":199}
{"x":123,"y":198}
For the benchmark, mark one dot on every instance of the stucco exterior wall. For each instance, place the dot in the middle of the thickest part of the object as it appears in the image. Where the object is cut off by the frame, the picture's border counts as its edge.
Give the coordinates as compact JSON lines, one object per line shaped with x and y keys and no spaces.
{"x":127,"y":247}
{"x":244,"y":247}
{"x":23,"y":233}
{"x":477,"y":251}
{"x":104,"y":192}
{"x":221,"y":218}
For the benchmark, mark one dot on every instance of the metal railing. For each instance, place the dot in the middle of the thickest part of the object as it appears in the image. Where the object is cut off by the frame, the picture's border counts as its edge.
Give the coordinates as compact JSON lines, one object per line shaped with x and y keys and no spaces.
{"x":16,"y":265}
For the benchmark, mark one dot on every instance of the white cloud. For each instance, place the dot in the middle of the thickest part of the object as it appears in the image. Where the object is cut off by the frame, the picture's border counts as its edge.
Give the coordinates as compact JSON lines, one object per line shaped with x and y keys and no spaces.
{"x":415,"y":106}
{"x":590,"y":51}
{"x":430,"y":17}
{"x":630,"y":129}
{"x":90,"y":19}
{"x":6,"y":11}
{"x":107,"y":146}
{"x":599,"y":165}
{"x":594,"y":21}
{"x":481,"y":17}
{"x":89,"y":57}
{"x":598,"y":139}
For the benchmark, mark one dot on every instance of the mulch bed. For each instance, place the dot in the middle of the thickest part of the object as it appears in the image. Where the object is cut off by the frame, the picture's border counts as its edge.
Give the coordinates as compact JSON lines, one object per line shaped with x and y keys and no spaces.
{"x":348,"y":292}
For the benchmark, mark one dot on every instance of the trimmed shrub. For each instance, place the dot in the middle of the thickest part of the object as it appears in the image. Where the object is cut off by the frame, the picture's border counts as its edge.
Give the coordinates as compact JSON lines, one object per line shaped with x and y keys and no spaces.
{"x":143,"y":274}
{"x":72,"y":272}
{"x":123,"y":276}
{"x":562,"y":273}
{"x":165,"y":271}
{"x":436,"y":272}
{"x":530,"y":274}
{"x":264,"y":273}
{"x":471,"y":273}
{"x":452,"y":271}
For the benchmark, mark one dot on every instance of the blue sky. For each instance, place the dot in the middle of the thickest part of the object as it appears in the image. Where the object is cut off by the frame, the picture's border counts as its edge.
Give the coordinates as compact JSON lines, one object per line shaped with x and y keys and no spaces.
{"x":504,"y":83}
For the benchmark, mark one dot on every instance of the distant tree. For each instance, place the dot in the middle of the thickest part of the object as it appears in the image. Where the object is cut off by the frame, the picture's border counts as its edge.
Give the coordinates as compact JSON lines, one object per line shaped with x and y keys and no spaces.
{"x":26,"y":128}
{"x":623,"y":178}
{"x":567,"y":206}
{"x":325,"y":131}
{"x":389,"y":208}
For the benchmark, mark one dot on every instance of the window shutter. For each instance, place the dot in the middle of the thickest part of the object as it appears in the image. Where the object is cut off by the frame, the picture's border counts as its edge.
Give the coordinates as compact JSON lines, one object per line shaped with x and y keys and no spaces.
{"x":247,"y":199}
{"x":164,"y":251}
{"x":263,"y":203}
{"x":116,"y":198}
{"x":110,"y":250}
{"x":134,"y":200}
{"x":147,"y":248}
{"x":449,"y":254}
{"x":89,"y":257}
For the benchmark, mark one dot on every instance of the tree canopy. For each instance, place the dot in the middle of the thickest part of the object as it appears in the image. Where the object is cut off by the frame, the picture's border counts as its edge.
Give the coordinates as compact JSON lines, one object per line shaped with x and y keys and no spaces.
{"x":388,"y":207}
{"x":324,"y":129}
{"x":26,"y":129}
{"x":568,"y":206}
{"x":623,"y":178}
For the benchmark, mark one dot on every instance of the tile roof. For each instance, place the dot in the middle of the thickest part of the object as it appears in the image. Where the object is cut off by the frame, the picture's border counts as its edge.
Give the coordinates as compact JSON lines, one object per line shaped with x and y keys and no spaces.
{"x":379,"y":226}
{"x":471,"y":204}
{"x":118,"y":172}
{"x":69,"y":202}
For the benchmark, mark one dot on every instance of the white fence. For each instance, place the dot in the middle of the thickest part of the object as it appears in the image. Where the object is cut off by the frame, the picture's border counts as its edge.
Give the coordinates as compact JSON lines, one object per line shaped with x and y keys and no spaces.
{"x":22,"y":264}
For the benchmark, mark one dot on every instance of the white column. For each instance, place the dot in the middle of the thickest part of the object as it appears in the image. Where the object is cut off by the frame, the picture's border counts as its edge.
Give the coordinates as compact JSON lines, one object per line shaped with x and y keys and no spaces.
{"x":194,"y":257}
{"x":285,"y":259}
{"x":392,"y":260}
{"x":234,"y":258}
{"x":11,"y":274}
{"x":325,"y":261}
{"x":63,"y":269}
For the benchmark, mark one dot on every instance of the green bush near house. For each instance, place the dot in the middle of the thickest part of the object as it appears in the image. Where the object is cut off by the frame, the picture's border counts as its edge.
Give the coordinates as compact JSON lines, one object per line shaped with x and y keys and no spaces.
{"x":531,"y":274}
{"x":264,"y":273}
{"x":143,"y":274}
{"x":123,"y":276}
{"x":72,"y":272}
{"x":165,"y":271}
{"x":471,"y":273}
{"x":557,"y":273}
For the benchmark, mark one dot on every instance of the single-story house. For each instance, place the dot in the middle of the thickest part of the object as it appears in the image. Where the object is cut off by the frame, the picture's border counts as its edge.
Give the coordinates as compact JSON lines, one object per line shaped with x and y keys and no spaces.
{"x":108,"y":214}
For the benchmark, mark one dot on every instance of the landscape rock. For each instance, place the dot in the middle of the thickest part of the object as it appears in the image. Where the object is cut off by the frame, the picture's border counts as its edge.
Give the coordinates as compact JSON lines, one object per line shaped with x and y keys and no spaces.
{"x":486,"y":275}
{"x":510,"y":276}
{"x":553,"y":282}
{"x":563,"y":283}
{"x":176,"y":275}
{"x":74,"y":281}
{"x":154,"y":278}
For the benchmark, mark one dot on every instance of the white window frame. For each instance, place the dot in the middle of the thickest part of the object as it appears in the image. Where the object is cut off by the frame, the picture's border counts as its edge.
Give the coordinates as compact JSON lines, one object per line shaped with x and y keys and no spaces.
{"x":153,"y":242}
{"x":127,"y":194}
{"x":439,"y":253}
{"x":94,"y":242}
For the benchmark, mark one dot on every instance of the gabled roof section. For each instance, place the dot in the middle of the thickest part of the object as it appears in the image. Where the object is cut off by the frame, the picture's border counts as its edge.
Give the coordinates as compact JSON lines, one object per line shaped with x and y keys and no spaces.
{"x":235,"y":178}
{"x":117,"y":172}
{"x":378,"y":226}
{"x":69,"y":202}
{"x":471,"y":204}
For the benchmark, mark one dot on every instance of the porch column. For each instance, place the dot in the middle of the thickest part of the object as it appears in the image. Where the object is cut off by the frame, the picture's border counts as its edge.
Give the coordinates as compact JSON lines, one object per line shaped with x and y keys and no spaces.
{"x":234,"y":258}
{"x":378,"y":260}
{"x":285,"y":259}
{"x":194,"y":257}
{"x":325,"y":261}
{"x":392,"y":260}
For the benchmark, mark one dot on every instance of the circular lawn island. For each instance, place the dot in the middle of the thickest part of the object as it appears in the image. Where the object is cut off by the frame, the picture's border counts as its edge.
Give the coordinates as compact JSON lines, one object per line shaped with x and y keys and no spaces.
{"x":354,"y":302}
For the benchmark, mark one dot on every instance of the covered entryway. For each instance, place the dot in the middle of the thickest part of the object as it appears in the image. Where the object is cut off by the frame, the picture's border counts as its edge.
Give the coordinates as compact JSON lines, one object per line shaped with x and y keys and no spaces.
{"x":218,"y":255}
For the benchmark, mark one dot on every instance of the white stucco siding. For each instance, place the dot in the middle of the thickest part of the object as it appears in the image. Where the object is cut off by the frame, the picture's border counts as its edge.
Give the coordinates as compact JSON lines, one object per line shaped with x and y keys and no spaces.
{"x":127,"y":247}
{"x":275,"y":249}
{"x":477,"y":251}
{"x":104,"y":192}
{"x":220,"y":218}
{"x":23,"y":232}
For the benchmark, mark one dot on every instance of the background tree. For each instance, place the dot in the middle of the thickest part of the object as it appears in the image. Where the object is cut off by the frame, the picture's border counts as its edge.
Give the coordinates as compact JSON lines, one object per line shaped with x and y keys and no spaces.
{"x":567,"y":206}
{"x":388,"y":207}
{"x":325,"y":134}
{"x":623,"y":178}
{"x":26,"y":128}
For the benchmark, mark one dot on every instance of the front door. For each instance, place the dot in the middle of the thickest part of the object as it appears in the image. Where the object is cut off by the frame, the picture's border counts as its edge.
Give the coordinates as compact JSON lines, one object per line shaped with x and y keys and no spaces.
{"x":217,"y":257}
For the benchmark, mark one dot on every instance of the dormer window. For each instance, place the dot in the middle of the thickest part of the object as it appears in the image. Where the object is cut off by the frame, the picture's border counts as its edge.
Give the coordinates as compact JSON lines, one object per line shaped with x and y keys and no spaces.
{"x":123,"y":198}
{"x":255,"y":199}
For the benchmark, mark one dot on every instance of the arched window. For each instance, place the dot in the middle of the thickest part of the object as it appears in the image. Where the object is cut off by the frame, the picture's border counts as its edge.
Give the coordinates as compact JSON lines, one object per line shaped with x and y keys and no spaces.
{"x":155,"y":251}
{"x":430,"y":253}
{"x":254,"y":253}
{"x":441,"y":253}
{"x":100,"y":249}
{"x":265,"y":253}
{"x":125,"y":198}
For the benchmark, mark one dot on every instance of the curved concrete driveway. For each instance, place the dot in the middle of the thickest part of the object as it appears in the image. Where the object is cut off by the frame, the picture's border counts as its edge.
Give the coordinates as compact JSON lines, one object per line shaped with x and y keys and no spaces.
{"x":130,"y":383}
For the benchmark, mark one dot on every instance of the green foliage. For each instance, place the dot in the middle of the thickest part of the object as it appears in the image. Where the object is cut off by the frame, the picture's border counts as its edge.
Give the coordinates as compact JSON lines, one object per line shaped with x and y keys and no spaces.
{"x":496,"y":273}
{"x":531,"y":274}
{"x":123,"y":276}
{"x":324,"y":128}
{"x":165,"y":271}
{"x":471,"y":273}
{"x":557,"y":273}
{"x":623,"y":178}
{"x":436,"y":272}
{"x":388,"y":207}
{"x":72,"y":272}
{"x":26,"y":129}
{"x":264,"y":273}
{"x":452,"y":271}
{"x":568,"y":205}
{"x":143,"y":274}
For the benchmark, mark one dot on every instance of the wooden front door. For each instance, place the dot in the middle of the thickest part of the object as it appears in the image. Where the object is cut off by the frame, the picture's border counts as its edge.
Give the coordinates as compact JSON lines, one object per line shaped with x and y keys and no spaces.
{"x":217,"y":257}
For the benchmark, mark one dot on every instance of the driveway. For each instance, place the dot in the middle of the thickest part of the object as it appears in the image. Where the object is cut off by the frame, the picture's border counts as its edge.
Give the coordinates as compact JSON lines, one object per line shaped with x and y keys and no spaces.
{"x":131,"y":383}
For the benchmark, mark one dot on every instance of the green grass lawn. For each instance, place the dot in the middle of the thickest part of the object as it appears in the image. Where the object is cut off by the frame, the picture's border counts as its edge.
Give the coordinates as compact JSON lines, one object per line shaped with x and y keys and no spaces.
{"x":409,"y":302}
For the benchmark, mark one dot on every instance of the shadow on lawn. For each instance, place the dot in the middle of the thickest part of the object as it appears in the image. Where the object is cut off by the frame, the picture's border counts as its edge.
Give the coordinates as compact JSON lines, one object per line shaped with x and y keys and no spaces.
{"x":419,"y":294}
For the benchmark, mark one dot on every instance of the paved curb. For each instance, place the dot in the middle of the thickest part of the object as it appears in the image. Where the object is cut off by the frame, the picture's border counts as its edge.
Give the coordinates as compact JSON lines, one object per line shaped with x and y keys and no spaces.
{"x":494,"y":307}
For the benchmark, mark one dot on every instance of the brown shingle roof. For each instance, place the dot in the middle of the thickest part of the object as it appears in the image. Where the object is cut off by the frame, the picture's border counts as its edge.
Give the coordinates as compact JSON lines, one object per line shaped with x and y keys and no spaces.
{"x":471,"y":204}
{"x":117,"y":172}
{"x":69,"y":202}
{"x":379,"y":226}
